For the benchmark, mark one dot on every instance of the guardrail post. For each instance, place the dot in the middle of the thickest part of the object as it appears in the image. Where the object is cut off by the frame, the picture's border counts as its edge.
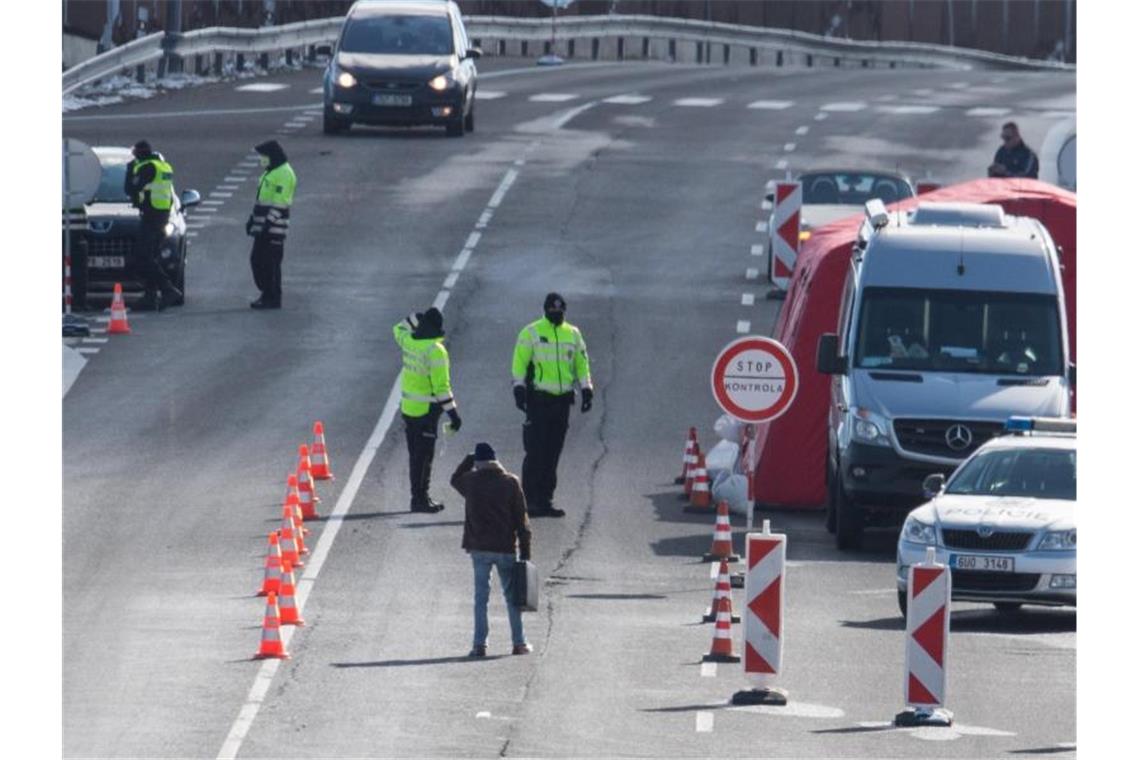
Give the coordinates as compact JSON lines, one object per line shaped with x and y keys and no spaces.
{"x":727,"y":48}
{"x":288,"y":56}
{"x":645,"y":48}
{"x":219,"y":61}
{"x":594,"y":45}
{"x":700,"y":52}
{"x":546,"y":47}
{"x":866,"y":64}
{"x":892,"y":65}
{"x":522,"y":48}
{"x":198,"y":63}
{"x":570,"y":48}
{"x":808,"y":60}
{"x":672,"y":50}
{"x":621,"y":48}
{"x":779,"y":57}
{"x":140,"y":73}
{"x":239,"y":62}
{"x":836,"y":61}
{"x":753,"y":56}
{"x":263,"y":61}
{"x":502,"y":47}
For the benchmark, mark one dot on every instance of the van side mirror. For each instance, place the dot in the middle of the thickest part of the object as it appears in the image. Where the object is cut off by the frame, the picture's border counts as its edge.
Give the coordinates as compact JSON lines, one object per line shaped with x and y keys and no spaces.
{"x":933,"y":485}
{"x":474,"y":52}
{"x":827,"y":358}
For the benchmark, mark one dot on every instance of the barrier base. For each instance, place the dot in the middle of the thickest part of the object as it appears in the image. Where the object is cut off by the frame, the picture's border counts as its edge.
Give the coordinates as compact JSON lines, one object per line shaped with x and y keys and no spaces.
{"x":720,"y":658}
{"x":736,"y":580}
{"x":913,"y":717}
{"x":775,"y":294}
{"x":718,"y":558}
{"x":710,"y":617}
{"x":777,"y":697}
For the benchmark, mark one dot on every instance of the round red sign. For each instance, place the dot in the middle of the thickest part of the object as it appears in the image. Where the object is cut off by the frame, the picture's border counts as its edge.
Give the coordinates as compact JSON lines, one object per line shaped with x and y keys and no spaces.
{"x":754,"y":379}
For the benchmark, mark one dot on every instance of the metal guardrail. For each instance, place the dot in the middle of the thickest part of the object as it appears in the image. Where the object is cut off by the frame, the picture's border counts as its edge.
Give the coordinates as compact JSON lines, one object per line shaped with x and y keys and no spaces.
{"x":216,"y":40}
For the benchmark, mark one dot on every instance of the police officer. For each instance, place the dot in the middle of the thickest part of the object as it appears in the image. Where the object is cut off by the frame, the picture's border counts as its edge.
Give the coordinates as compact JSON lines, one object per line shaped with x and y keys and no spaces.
{"x":149,"y":183}
{"x":425,"y":393}
{"x":550,"y":362}
{"x":269,"y":223}
{"x":1014,"y":158}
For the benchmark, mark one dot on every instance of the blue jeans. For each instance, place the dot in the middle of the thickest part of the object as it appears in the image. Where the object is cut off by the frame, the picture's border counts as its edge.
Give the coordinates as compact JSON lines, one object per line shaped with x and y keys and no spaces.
{"x":482,"y":562}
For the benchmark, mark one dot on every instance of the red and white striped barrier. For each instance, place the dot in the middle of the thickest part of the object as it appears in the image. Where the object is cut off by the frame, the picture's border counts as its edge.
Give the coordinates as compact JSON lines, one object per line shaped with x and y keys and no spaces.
{"x":689,"y":459}
{"x":784,"y":237}
{"x":764,"y":618}
{"x":927,"y":636}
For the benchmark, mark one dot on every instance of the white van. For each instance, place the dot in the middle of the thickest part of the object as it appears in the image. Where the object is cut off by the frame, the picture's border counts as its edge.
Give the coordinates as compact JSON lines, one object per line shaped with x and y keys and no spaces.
{"x":952,"y":320}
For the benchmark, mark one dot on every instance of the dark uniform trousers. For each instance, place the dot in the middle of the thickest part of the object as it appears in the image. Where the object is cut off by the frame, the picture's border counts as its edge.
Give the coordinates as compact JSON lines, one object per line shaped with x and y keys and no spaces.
{"x":152,"y":229}
{"x":421,"y":434}
{"x":265,"y":261}
{"x":547,"y":419}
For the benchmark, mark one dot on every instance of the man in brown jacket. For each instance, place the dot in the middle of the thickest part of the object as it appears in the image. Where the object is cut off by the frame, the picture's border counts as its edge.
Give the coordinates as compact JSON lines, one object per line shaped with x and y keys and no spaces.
{"x":495,"y":518}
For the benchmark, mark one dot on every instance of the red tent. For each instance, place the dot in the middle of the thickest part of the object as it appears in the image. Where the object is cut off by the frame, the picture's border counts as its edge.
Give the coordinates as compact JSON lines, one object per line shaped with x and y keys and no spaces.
{"x":797,"y":441}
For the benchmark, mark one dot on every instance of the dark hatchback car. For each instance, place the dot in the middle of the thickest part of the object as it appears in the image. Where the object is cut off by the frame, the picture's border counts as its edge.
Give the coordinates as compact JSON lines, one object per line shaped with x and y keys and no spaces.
{"x":402,"y":63}
{"x":104,"y":245}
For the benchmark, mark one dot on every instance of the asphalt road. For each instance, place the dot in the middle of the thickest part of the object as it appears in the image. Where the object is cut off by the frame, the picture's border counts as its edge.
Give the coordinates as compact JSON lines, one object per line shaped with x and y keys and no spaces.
{"x":642,"y":214}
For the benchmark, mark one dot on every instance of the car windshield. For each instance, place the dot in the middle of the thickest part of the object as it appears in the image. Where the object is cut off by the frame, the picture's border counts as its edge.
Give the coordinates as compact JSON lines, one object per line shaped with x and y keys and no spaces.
{"x":111,"y":183}
{"x":398,"y":35}
{"x":1038,"y":473}
{"x":959,"y":331}
{"x":848,"y":189}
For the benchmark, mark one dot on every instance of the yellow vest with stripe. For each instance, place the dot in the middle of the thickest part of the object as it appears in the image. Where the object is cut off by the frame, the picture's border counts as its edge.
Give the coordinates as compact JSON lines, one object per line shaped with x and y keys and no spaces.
{"x":158,"y":194}
{"x":426,"y":376}
{"x":558,"y":355}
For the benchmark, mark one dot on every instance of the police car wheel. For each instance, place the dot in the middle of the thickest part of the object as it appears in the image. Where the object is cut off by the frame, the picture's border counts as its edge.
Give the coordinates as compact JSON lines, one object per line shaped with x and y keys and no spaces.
{"x":902,"y":603}
{"x":1007,"y":608}
{"x":334,"y":126}
{"x":848,"y":521}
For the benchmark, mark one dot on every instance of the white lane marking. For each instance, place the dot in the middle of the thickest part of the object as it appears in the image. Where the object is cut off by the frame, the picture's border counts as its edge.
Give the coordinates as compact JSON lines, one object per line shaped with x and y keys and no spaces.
{"x":484,"y":219}
{"x":936,"y":734}
{"x":483,"y":714}
{"x":708,"y":670}
{"x":216,"y":194}
{"x":630,"y":99}
{"x":461,"y":260}
{"x":489,"y":94}
{"x":212,"y":203}
{"x":907,"y":110}
{"x":844,"y":107}
{"x":227,"y":187}
{"x":873,"y":592}
{"x":244,"y":721}
{"x":765,"y":205}
{"x":1058,"y":115}
{"x":821,"y":116}
{"x":184,"y":114}
{"x":987,"y":111}
{"x":705,"y":722}
{"x":250,"y":163}
{"x":757,"y":249}
{"x":698,"y":102}
{"x":743,"y":326}
{"x":762,"y":226}
{"x":441,"y":299}
{"x":95,"y":340}
{"x":296,"y":125}
{"x":508,"y":180}
{"x":789,"y":147}
{"x":206,"y":210}
{"x":97,"y":330}
{"x":473,"y":240}
{"x":317,"y":90}
{"x":802,"y":130}
{"x":751,"y":273}
{"x":87,"y":350}
{"x":195,"y":225}
{"x":782,"y":164}
{"x":793,"y":710}
{"x":771,"y":105}
{"x":552,"y":97}
{"x":236,"y":177}
{"x":564,"y":118}
{"x":192,"y":234}
{"x":770,"y":184}
{"x":261,"y":87}
{"x":449,"y":282}
{"x":747,"y":299}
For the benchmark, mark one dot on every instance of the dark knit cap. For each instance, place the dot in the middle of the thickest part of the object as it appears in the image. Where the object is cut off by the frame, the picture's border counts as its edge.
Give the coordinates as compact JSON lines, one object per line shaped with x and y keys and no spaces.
{"x":484,"y":452}
{"x":554,"y":302}
{"x":433,"y":318}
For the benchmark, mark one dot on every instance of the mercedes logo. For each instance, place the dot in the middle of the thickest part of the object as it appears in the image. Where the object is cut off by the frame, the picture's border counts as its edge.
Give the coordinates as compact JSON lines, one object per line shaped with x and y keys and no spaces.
{"x":959,"y":437}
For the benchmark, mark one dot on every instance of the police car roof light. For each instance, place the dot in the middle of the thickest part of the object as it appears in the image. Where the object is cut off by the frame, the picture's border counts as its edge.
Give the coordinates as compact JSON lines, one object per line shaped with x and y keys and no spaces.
{"x":1019,"y":424}
{"x":1041,"y":425}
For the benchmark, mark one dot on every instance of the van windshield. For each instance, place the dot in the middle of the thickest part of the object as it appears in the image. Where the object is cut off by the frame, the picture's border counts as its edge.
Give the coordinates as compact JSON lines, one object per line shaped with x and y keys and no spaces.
{"x":959,"y":331}
{"x":393,"y":34}
{"x":1038,"y":473}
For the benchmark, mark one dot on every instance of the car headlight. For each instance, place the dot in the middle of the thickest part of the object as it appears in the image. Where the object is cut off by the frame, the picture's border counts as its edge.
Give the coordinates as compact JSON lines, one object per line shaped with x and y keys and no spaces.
{"x":168,"y":230}
{"x":346,"y":80}
{"x":1059,"y":540}
{"x":440,"y":83}
{"x":868,"y":427}
{"x":918,"y":532}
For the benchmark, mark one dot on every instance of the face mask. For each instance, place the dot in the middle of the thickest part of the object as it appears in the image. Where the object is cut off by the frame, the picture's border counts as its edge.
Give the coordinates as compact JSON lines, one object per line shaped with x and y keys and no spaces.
{"x":555,"y":317}
{"x":264,"y":162}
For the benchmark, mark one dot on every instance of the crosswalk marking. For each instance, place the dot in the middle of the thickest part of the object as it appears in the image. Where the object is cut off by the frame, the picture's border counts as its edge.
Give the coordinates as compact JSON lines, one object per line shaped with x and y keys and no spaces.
{"x":782,"y":164}
{"x":489,"y":94}
{"x":844,"y":107}
{"x":987,"y":111}
{"x":698,"y":102}
{"x":802,"y":130}
{"x":552,"y":97}
{"x":217,"y":194}
{"x":743,"y":326}
{"x":628,"y":100}
{"x":771,"y":105}
{"x":907,"y":110}
{"x":316,"y":90}
{"x":261,"y":87}
{"x":789,"y":147}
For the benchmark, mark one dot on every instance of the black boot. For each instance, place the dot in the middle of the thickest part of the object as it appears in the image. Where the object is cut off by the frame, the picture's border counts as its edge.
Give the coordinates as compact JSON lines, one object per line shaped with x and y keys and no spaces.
{"x":425,"y":505}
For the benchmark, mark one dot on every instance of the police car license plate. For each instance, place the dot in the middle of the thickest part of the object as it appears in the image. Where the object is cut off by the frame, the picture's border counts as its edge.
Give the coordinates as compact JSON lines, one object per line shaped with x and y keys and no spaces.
{"x":106,"y":262}
{"x":385,"y":99}
{"x":981,"y":562}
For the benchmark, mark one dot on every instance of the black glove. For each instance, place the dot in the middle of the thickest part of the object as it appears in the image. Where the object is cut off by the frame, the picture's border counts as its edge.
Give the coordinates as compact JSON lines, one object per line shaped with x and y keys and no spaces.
{"x":520,"y":398}
{"x":587,"y":399}
{"x":456,"y":423}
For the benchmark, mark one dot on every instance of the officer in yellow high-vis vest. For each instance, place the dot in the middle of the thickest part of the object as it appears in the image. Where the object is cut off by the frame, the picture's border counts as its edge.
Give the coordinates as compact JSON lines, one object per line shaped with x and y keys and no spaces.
{"x":269,"y":222}
{"x":550,"y":363}
{"x":425,"y":393}
{"x":149,"y":183}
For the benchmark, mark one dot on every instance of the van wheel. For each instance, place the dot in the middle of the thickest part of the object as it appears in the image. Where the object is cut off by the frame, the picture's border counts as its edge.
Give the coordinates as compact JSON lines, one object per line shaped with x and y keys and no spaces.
{"x":902,"y":603}
{"x":1007,"y":608}
{"x":848,"y":521}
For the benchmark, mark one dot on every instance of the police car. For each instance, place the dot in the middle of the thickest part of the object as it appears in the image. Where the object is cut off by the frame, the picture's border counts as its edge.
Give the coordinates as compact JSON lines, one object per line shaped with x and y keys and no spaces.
{"x":1005,"y":522}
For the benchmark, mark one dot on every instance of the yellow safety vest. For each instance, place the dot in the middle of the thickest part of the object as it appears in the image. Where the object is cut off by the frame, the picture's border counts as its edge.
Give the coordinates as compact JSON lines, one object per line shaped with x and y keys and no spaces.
{"x":558,"y":355}
{"x":426,"y":376}
{"x":158,"y":194}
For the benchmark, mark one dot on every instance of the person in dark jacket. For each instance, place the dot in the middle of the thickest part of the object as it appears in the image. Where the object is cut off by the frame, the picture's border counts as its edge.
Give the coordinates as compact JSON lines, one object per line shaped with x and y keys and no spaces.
{"x":149,"y":183}
{"x":495,"y":523}
{"x":1014,"y":158}
{"x":269,"y":222}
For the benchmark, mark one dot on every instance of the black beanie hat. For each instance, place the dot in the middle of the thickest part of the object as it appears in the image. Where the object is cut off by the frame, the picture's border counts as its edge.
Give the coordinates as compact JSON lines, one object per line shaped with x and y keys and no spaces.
{"x":484,"y":452}
{"x":554,"y":302}
{"x":433,"y":318}
{"x":142,"y":148}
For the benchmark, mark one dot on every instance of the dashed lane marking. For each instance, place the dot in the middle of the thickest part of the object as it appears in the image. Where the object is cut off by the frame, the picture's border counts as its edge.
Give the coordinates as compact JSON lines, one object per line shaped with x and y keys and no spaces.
{"x":762,"y":226}
{"x":296,"y":124}
{"x":757,"y":249}
{"x":218,"y":194}
{"x":987,"y":111}
{"x":95,"y":340}
{"x":844,"y":107}
{"x":765,"y":205}
{"x":887,"y":98}
{"x":747,"y":299}
{"x":552,"y":97}
{"x":821,"y":116}
{"x":751,"y":273}
{"x":960,"y":85}
{"x":489,"y":94}
{"x":317,"y":90}
{"x":185,"y":114}
{"x":236,"y":178}
{"x":771,"y":105}
{"x":782,"y":164}
{"x":450,"y":281}
{"x":743,"y":326}
{"x":789,"y":147}
{"x":698,"y":102}
{"x":206,"y":209}
{"x":705,"y":722}
{"x":906,"y":110}
{"x":211,"y":203}
{"x":261,"y":87}
{"x":227,"y":187}
{"x":631,"y":99}
{"x":708,"y":670}
{"x":802,"y":130}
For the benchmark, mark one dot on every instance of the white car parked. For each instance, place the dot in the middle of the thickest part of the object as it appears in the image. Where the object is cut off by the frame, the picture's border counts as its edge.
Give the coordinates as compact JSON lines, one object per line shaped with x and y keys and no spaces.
{"x":1005,"y":521}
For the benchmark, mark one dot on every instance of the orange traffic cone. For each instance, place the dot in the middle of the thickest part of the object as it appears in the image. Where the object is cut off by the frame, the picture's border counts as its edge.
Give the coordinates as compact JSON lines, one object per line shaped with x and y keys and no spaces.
{"x":118,"y":324}
{"x":290,"y":512}
{"x":322,"y":468}
{"x":306,"y":488}
{"x":700,"y":500}
{"x":294,"y":498}
{"x":271,"y":644}
{"x":272,"y":581}
{"x":723,"y":591}
{"x":721,"y":650}
{"x":689,"y":443}
{"x":288,"y":539}
{"x":691,"y":470}
{"x":289,"y":613}
{"x":722,"y":537}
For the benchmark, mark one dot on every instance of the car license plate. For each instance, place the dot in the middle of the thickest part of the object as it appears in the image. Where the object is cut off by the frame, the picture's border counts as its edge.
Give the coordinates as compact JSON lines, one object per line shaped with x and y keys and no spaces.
{"x":385,"y":99}
{"x":106,"y":262}
{"x":981,"y":562}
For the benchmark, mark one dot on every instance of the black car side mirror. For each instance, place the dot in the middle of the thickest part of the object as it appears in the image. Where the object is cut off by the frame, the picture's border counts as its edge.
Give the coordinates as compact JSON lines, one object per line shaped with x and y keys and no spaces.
{"x":474,"y":52}
{"x":933,"y":484}
{"x":190,"y":198}
{"x":827,"y":358}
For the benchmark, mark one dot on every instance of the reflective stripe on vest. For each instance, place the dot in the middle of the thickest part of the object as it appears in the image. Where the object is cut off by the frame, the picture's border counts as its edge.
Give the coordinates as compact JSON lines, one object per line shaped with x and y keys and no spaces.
{"x":158,"y":194}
